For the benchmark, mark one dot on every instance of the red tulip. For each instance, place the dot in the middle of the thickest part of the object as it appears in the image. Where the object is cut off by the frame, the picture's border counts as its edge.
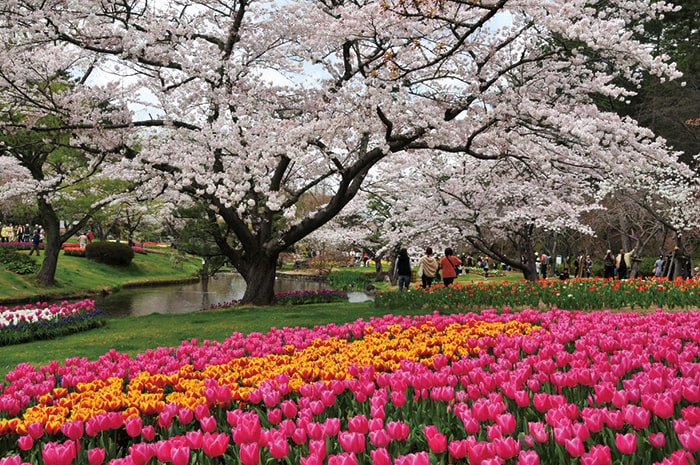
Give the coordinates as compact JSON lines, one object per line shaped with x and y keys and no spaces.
{"x":215,"y":444}
{"x":626,"y":443}
{"x":96,"y":456}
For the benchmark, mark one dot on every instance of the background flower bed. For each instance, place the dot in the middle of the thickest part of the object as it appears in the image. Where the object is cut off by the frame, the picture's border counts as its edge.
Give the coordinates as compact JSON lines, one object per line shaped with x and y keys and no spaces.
{"x":43,"y":321}
{"x":530,"y":387}
{"x":580,"y":294}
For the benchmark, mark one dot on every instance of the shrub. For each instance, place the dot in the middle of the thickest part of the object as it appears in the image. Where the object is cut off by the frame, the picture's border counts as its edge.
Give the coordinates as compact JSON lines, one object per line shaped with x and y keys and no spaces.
{"x":110,"y":253}
{"x":17,"y":262}
{"x":349,"y":280}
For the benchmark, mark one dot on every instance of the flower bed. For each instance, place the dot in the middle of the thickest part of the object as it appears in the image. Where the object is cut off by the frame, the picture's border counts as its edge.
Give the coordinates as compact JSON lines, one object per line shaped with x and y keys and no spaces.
{"x":580,"y":294}
{"x":553,"y":387}
{"x":43,"y":321}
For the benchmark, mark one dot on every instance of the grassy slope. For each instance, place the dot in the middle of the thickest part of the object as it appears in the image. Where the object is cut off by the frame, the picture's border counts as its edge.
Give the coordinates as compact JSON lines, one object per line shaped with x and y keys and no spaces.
{"x":77,"y":276}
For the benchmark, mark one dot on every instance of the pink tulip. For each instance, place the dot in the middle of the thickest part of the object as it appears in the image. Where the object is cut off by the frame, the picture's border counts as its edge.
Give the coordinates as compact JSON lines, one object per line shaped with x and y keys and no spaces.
{"x":73,"y":429}
{"x":163,"y":450}
{"x":331,"y":427}
{"x":315,"y":430}
{"x":352,"y":442}
{"x":528,"y":457}
{"x":637,"y":416}
{"x":380,"y":456}
{"x":418,"y":458}
{"x":96,"y":456}
{"x":55,"y":453}
{"x":180,"y":455}
{"x":289,"y":408}
{"x":657,"y":440}
{"x":249,"y":453}
{"x":311,"y":460}
{"x":278,"y":445}
{"x":215,"y":444}
{"x":398,"y":430}
{"x":11,"y":460}
{"x":574,"y":447}
{"x":626,"y":443}
{"x":317,"y":447}
{"x":133,"y":426}
{"x":35,"y":430}
{"x":480,"y":451}
{"x":148,"y":433}
{"x":379,"y":438}
{"x":690,"y":439}
{"x":507,"y":423}
{"x":25,"y":442}
{"x":201,"y":411}
{"x":248,"y":429}
{"x":299,"y":436}
{"x":185,"y":416}
{"x":458,"y":449}
{"x":538,"y":431}
{"x":598,"y":455}
{"x":274,"y":416}
{"x":342,"y":459}
{"x":358,"y":424}
{"x":398,"y":398}
{"x":140,"y":453}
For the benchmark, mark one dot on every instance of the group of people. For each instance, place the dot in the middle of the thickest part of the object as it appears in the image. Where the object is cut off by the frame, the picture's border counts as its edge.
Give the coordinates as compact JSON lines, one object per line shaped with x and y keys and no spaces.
{"x":16,"y":233}
{"x":449,"y":267}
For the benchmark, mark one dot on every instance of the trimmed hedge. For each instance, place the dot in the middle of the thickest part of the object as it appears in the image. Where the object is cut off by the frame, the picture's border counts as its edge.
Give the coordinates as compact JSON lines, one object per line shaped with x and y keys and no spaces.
{"x":110,"y":253}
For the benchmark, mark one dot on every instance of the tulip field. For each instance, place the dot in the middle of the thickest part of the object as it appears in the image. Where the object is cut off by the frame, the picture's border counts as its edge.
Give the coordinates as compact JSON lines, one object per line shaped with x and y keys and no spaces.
{"x":490,"y":387}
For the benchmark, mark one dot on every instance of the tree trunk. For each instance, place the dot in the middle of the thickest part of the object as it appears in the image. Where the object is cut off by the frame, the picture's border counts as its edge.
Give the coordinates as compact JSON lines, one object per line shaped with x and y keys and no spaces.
{"x":260,"y":280}
{"x":52,"y":244}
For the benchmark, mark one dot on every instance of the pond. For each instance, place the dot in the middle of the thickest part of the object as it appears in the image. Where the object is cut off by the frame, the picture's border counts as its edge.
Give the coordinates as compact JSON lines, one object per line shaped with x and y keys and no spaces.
{"x":190,"y":297}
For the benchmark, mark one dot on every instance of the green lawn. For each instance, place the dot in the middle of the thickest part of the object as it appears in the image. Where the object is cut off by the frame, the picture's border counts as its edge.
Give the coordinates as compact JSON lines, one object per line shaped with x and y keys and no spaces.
{"x":77,"y":276}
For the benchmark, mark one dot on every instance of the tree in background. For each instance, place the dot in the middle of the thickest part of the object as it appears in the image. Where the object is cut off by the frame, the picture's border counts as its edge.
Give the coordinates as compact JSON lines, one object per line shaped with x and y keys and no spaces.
{"x":247,"y":107}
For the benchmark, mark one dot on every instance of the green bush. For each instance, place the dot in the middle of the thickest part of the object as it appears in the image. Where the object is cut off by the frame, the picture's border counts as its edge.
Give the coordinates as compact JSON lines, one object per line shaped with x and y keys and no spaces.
{"x":17,"y":262}
{"x":110,"y":253}
{"x":349,"y":280}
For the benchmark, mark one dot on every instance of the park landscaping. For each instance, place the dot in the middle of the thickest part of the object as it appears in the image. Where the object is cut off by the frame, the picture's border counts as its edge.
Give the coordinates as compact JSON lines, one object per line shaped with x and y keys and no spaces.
{"x":362,"y":383}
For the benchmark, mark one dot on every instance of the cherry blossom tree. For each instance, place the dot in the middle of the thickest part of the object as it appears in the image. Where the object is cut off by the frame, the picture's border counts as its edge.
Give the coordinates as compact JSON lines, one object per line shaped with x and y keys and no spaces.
{"x":249,"y":106}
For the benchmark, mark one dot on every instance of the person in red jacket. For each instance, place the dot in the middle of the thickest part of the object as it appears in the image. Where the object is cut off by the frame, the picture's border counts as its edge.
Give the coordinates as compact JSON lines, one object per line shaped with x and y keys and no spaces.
{"x":451,"y":266}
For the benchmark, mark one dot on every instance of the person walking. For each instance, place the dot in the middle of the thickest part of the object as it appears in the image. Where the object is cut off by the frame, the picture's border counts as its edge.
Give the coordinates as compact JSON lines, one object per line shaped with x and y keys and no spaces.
{"x":449,"y":264}
{"x":36,"y":240}
{"x":427,"y":267}
{"x":659,"y":267}
{"x":403,"y":270}
{"x":609,"y":265}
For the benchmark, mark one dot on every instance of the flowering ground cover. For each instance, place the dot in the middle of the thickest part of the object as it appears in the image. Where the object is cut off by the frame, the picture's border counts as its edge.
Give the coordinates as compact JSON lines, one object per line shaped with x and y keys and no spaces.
{"x":525,"y":387}
{"x":578,"y":293}
{"x":43,"y":321}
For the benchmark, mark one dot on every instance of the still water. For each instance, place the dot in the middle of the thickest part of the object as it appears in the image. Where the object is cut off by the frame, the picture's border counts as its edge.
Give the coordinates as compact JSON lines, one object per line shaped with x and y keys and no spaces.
{"x":190,"y":297}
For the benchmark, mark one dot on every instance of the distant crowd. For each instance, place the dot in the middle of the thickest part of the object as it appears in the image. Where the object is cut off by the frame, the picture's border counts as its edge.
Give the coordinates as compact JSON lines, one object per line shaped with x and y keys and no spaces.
{"x":19,"y":233}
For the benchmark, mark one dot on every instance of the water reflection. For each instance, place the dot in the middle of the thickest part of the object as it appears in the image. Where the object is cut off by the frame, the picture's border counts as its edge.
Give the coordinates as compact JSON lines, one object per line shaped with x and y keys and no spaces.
{"x":185,"y":298}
